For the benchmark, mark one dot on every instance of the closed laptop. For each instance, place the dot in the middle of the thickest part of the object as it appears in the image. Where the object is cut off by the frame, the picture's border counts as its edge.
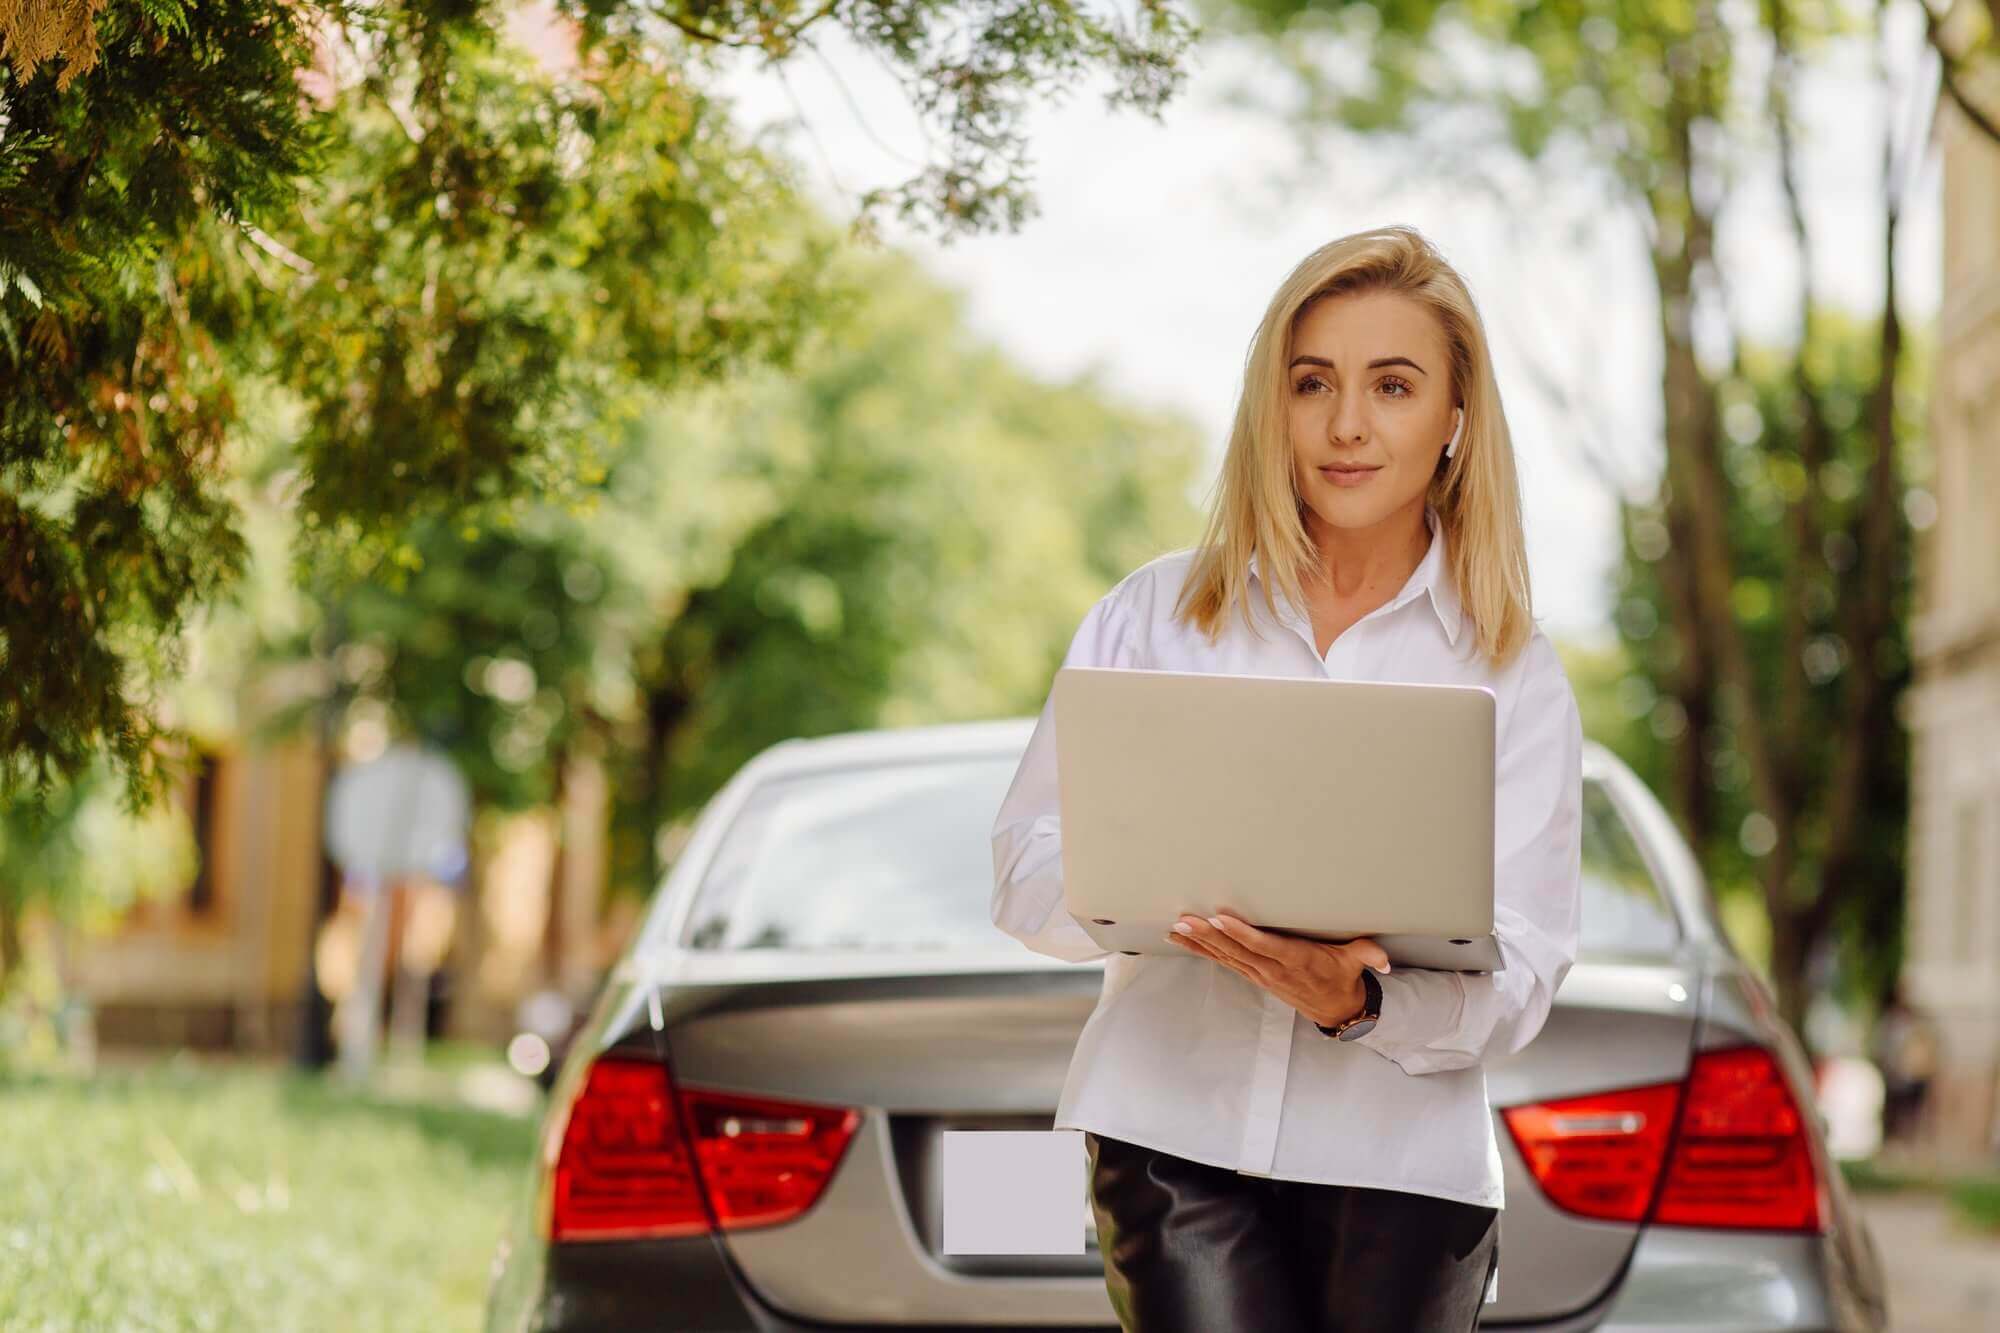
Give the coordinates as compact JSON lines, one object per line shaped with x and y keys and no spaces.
{"x":1322,"y":808}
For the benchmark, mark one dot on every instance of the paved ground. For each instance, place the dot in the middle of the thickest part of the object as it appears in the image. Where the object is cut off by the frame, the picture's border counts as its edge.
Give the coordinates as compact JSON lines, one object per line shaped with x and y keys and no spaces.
{"x":1942,"y":1277}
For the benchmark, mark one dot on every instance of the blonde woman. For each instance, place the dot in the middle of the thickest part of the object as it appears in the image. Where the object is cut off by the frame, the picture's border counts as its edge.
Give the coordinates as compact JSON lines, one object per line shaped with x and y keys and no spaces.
{"x":1284,"y":1134}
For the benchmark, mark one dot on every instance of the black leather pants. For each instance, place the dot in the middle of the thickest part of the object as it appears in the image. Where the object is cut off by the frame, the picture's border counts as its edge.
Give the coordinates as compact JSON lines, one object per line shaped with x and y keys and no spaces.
{"x":1188,"y":1246}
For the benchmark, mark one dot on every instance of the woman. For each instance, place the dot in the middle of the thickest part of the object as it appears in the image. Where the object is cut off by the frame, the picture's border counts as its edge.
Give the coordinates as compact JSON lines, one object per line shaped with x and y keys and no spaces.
{"x":1285,"y":1134}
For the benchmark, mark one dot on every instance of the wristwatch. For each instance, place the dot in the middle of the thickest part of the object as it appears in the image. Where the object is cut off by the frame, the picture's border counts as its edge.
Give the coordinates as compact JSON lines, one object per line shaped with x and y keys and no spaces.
{"x":1371,"y":1011}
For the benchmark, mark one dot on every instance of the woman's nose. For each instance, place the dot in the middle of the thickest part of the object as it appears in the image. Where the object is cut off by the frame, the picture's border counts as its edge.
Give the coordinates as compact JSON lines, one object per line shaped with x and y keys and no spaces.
{"x":1348,"y":423}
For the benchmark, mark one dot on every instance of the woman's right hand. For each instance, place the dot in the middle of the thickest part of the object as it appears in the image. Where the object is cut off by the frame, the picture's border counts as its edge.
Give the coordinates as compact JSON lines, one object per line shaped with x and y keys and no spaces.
{"x":1321,"y":981}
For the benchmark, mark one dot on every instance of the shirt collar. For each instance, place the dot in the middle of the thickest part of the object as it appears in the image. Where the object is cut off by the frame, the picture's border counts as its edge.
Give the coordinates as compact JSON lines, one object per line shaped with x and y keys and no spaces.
{"x":1432,"y":575}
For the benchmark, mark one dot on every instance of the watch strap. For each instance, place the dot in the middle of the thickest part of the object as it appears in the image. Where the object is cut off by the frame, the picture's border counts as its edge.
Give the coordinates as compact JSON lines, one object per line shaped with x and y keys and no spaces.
{"x":1371,"y":1007}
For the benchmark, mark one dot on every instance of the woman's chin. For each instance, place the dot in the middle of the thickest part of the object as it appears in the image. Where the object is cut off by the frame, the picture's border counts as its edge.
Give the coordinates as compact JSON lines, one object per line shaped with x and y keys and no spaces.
{"x":1365,"y":506}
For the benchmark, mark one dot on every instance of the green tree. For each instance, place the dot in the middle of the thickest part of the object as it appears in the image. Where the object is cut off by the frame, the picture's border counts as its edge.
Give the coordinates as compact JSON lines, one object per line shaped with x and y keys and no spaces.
{"x":1851,"y":829}
{"x":504,"y":647}
{"x":465,"y":266}
{"x":902,"y":529}
{"x":1966,"y":38}
{"x":914,"y":527}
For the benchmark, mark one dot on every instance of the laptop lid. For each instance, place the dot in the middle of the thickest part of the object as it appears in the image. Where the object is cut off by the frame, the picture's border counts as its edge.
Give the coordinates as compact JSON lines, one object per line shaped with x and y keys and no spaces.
{"x":1321,"y":807}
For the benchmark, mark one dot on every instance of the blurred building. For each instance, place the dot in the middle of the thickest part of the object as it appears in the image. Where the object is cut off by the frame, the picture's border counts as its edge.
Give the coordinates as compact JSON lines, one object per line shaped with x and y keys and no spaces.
{"x":1953,"y":960}
{"x":229,"y":962}
{"x":222,"y":964}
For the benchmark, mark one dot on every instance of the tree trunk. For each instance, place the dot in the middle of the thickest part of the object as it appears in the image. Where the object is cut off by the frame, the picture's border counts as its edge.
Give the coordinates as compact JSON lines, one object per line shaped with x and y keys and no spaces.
{"x":552,"y":925}
{"x":666,"y":706}
{"x":1815,"y":437}
{"x":1868,"y":724}
{"x":10,"y":941}
{"x":312,"y":1043}
{"x":1791,"y":949}
{"x":1694,"y":681}
{"x":1698,"y":499}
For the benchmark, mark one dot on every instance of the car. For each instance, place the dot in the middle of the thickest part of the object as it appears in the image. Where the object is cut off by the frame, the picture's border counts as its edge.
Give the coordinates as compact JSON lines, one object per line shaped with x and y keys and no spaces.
{"x":746,"y":1133}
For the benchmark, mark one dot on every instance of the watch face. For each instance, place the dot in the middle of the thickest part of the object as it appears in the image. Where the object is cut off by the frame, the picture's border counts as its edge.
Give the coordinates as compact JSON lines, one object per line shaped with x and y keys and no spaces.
{"x":1360,"y":1027}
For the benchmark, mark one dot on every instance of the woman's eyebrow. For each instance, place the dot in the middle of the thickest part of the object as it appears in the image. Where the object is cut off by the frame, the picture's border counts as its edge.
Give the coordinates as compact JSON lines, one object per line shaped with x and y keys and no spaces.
{"x":1378,"y":361}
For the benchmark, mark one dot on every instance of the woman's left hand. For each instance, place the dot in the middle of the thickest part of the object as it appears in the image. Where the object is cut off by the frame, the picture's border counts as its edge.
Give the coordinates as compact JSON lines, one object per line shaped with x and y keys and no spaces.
{"x":1321,"y":981}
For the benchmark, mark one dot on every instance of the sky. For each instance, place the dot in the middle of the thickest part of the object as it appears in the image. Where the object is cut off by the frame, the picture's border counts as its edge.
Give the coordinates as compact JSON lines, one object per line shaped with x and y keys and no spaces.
{"x":1158,"y":244}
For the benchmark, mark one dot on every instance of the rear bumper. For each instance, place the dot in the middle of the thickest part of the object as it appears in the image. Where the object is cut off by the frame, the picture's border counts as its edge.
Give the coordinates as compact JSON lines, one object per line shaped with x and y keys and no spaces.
{"x":680,"y":1286}
{"x":1686,"y":1281}
{"x":1707,"y":1280}
{"x":621,"y":1285}
{"x":1675,"y":1282}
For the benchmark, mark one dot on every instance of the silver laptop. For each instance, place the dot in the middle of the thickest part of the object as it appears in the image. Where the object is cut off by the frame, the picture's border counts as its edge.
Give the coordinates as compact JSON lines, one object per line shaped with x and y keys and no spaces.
{"x":1320,"y":808}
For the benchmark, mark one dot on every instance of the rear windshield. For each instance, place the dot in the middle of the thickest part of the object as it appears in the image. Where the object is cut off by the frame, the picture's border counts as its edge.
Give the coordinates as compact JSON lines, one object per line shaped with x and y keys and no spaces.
{"x":1624,"y":912}
{"x":899,"y":857}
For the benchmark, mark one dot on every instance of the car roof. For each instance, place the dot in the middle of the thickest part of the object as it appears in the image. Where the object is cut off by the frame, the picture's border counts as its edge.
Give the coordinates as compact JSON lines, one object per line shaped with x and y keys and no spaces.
{"x":953,"y":740}
{"x":1007,"y":737}
{"x":851,"y":749}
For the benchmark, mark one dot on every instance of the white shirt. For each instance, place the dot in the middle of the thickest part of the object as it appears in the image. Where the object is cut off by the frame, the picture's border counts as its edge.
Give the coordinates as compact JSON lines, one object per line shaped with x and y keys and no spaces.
{"x":1188,"y":1056}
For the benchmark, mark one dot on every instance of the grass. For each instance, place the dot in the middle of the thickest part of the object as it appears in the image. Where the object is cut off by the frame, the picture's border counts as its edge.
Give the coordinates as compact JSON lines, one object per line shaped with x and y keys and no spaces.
{"x":1976,"y":1199}
{"x":1867,"y":1175}
{"x":182,"y":1197}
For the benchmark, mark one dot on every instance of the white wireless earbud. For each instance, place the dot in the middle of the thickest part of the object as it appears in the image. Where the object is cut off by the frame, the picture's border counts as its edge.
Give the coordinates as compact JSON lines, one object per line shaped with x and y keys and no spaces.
{"x":1457,"y":431}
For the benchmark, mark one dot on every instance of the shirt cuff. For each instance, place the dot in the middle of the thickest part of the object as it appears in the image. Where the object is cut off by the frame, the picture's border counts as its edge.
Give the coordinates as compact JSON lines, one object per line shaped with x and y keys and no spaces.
{"x":1419,"y":1005}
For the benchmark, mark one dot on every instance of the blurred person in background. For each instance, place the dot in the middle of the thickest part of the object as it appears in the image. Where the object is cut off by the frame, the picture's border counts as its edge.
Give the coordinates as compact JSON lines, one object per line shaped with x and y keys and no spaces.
{"x":1906,"y":1050}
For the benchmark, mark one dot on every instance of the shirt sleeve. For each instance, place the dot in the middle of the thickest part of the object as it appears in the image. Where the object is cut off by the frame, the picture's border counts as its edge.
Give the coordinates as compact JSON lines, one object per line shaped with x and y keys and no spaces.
{"x":1027,"y":833}
{"x":1435,"y":1020}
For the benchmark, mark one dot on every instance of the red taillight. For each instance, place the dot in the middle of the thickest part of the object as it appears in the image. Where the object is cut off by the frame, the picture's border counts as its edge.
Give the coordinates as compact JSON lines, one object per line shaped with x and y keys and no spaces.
{"x":1738,"y":1158}
{"x":765,"y":1161}
{"x":624,"y":1170}
{"x":1598,"y":1156}
{"x":1742,"y":1158}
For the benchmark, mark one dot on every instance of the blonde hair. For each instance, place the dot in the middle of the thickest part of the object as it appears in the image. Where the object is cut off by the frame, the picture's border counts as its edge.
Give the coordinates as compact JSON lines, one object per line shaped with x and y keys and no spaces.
{"x":1255,"y":505}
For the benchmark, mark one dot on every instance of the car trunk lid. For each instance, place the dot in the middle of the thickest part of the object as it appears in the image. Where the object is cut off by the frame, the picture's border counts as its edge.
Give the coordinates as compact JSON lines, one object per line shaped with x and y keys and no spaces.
{"x":921,"y":1052}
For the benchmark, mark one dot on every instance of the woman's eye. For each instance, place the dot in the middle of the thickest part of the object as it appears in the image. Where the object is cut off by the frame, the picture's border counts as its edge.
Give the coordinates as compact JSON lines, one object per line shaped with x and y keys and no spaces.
{"x":1313,"y":383}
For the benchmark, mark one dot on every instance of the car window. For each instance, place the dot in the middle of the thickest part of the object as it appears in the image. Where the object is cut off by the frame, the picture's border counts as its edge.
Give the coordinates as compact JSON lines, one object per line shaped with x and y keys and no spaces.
{"x":1624,"y":912}
{"x":899,"y":856}
{"x":895,"y":856}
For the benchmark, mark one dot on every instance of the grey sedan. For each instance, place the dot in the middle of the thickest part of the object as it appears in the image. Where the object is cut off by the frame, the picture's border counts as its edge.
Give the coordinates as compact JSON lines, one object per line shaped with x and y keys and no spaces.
{"x":747,"y":1134}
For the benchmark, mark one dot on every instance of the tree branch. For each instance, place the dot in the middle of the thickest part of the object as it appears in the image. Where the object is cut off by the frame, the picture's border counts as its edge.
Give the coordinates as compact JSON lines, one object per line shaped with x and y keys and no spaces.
{"x":1952,"y":73}
{"x":777,"y":42}
{"x":1801,"y":525}
{"x":860,"y":117}
{"x":277,"y":250}
{"x":1866,"y":698}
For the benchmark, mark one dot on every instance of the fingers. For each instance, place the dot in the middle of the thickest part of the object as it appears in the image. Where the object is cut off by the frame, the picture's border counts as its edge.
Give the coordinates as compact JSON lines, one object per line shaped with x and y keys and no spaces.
{"x":1226,"y":943}
{"x":1188,"y":945}
{"x":1252,"y":951}
{"x":1242,"y":946}
{"x":1211,"y":944}
{"x":1368,"y":953}
{"x":1254,"y":945}
{"x":1287,"y":949}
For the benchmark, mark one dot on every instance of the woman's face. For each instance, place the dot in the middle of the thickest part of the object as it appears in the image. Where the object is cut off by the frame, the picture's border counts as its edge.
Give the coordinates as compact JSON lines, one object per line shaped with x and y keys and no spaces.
{"x":1370,"y":406}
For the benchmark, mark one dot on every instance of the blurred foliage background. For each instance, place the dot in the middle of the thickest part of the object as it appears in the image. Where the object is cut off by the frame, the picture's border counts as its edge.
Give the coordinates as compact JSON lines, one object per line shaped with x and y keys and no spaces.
{"x":392,"y":367}
{"x":389,"y":371}
{"x":462,"y":373}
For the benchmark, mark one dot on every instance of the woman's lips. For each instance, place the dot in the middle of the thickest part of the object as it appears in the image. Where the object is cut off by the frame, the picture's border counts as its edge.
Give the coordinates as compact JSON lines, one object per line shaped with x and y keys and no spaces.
{"x":1357,"y":476}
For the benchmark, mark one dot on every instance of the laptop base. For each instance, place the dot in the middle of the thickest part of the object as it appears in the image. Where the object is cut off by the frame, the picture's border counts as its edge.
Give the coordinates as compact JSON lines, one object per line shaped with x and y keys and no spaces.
{"x":1479,"y":953}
